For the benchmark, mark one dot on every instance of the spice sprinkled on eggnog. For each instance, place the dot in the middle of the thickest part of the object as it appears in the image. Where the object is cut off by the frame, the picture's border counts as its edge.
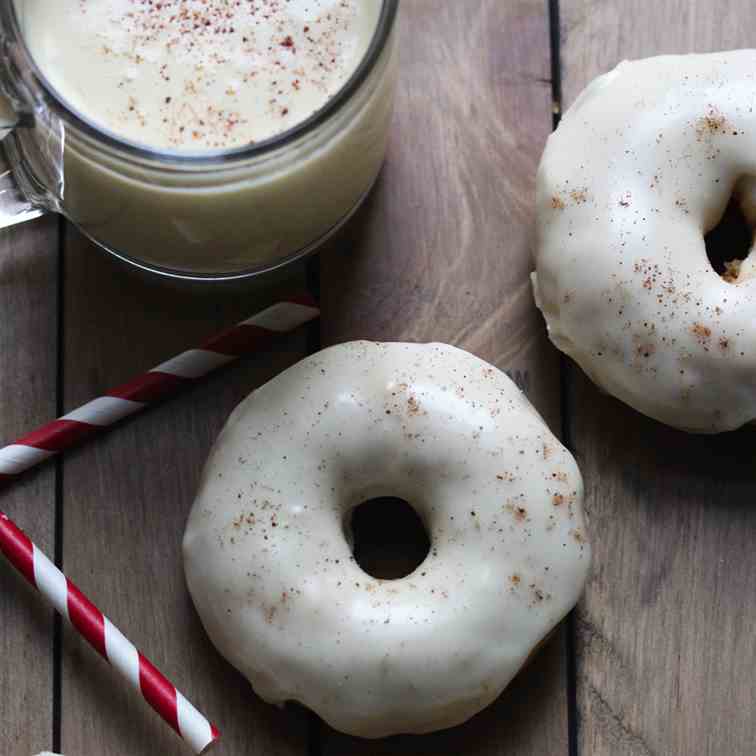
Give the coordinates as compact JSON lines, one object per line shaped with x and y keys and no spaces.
{"x":197,"y":74}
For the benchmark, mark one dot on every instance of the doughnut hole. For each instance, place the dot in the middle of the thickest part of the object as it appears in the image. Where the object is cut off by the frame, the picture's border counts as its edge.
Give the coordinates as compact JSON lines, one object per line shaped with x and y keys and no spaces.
{"x":388,"y":538}
{"x":729,"y":243}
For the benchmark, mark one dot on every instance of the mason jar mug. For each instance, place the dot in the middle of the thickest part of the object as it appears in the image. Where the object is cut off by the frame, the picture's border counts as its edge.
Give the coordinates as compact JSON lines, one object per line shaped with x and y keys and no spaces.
{"x":217,"y":215}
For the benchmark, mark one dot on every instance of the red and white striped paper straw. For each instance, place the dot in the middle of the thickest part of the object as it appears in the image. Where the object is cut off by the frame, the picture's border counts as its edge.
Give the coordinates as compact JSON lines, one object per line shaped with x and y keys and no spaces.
{"x":159,"y":383}
{"x":105,"y":637}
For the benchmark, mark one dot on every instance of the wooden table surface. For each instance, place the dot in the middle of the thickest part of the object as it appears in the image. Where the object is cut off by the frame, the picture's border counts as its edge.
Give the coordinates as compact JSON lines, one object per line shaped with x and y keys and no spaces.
{"x":659,"y":656}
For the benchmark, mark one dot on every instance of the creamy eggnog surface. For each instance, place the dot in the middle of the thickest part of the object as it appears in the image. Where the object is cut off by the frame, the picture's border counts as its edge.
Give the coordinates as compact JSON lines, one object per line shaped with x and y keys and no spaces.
{"x":197,"y":74}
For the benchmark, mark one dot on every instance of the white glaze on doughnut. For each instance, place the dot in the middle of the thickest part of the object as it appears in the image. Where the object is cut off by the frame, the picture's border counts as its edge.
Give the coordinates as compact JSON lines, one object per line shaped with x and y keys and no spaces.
{"x":273,"y":577}
{"x":640,"y":168}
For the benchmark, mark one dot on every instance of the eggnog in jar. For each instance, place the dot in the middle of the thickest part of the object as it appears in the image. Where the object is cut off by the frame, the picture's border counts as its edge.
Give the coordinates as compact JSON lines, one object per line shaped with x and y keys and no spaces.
{"x":214,"y":137}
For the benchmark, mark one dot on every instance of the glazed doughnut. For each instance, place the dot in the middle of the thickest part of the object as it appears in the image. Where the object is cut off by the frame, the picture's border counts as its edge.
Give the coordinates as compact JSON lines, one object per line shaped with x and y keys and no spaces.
{"x":641,"y":167}
{"x":271,"y":571}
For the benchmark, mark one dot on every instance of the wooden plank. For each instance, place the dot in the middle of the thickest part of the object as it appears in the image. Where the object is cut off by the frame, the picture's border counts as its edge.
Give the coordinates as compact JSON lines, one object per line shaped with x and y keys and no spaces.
{"x":126,"y":499}
{"x":665,"y":649}
{"x":442,"y":253}
{"x":28,"y":345}
{"x":442,"y":250}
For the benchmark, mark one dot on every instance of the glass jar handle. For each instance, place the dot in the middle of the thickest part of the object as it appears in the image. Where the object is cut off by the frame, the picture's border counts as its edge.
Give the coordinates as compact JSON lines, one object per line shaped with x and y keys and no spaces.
{"x":14,"y":207}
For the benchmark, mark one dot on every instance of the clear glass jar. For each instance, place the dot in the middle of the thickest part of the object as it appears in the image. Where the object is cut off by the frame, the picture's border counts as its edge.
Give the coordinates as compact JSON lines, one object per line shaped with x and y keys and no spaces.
{"x":216,"y":216}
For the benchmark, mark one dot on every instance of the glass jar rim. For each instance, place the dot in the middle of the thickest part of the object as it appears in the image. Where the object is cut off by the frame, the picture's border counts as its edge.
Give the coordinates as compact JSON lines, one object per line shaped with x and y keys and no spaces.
{"x":384,"y":27}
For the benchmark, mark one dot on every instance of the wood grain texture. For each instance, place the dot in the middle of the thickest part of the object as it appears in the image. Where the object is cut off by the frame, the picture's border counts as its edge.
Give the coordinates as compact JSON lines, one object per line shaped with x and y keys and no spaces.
{"x":665,"y":647}
{"x":28,"y":345}
{"x":126,"y":498}
{"x":442,"y":250}
{"x":442,"y":253}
